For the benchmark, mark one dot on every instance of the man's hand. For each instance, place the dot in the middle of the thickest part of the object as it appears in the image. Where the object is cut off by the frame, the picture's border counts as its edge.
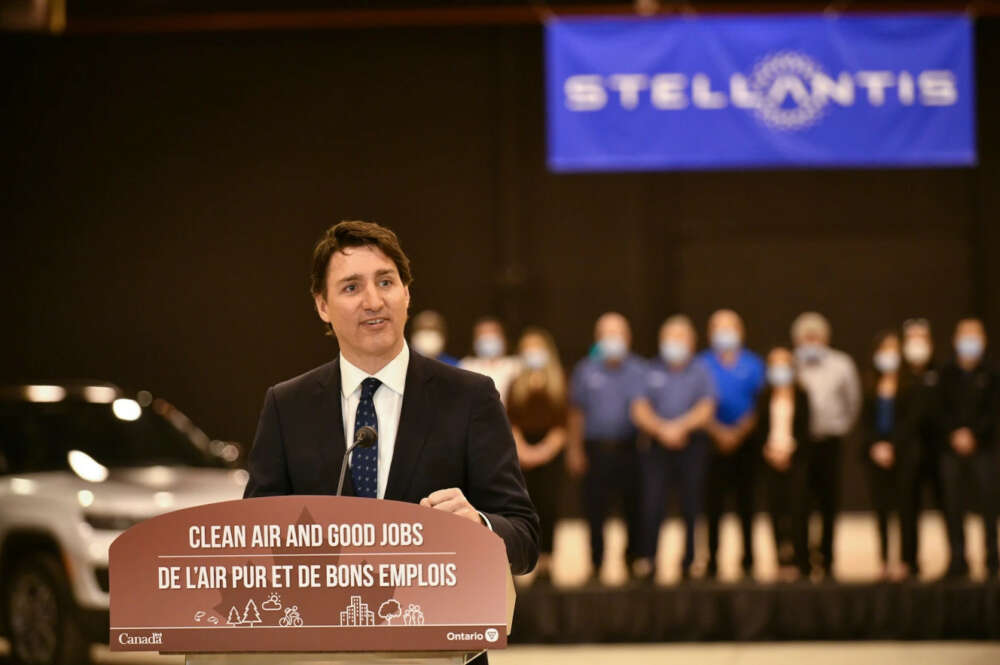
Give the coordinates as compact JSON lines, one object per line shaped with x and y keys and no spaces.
{"x":452,"y":500}
{"x":963,"y":441}
{"x":672,"y":435}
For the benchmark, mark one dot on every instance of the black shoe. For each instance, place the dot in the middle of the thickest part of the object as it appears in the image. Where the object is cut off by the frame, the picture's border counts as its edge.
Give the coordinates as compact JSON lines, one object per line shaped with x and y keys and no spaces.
{"x":957,"y":573}
{"x":712,"y":570}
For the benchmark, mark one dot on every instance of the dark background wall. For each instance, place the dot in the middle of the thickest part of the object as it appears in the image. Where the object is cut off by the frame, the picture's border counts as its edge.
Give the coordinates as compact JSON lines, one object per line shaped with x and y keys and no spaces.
{"x":163,"y":192}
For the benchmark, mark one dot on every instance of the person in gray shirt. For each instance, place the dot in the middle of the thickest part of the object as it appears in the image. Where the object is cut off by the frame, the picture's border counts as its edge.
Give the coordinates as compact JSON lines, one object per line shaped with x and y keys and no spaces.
{"x":830,"y":379}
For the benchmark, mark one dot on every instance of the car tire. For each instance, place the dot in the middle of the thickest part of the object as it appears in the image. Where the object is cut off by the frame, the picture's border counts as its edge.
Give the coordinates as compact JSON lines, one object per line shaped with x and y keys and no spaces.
{"x":42,"y":618}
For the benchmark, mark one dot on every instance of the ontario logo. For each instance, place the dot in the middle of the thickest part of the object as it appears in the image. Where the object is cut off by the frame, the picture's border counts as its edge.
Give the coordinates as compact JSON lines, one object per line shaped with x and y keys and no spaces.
{"x":786,"y":90}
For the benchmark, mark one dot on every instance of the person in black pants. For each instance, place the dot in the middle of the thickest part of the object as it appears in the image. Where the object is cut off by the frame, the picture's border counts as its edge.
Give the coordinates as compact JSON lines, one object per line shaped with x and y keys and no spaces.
{"x":678,"y":403}
{"x":890,"y":448}
{"x":739,"y":375}
{"x":602,"y":439}
{"x":969,"y":397}
{"x":923,"y":377}
{"x":780,"y":437}
{"x":536,"y":406}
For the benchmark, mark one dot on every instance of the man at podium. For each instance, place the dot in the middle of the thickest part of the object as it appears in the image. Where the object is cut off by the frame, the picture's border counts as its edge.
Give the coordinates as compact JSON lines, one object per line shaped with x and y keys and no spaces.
{"x":443,"y":440}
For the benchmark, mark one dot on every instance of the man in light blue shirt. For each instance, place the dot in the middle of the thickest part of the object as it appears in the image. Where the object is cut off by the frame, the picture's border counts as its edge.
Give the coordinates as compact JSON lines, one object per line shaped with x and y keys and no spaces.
{"x":602,"y":437}
{"x":678,"y":403}
{"x":739,"y":375}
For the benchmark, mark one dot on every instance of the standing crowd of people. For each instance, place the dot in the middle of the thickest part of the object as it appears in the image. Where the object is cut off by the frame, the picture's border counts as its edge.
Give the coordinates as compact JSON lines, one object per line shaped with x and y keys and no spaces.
{"x":721,"y":423}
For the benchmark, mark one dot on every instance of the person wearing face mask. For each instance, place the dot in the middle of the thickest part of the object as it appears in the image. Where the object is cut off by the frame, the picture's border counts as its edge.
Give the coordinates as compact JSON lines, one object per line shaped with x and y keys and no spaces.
{"x":968,"y":408}
{"x":489,"y":345}
{"x":830,"y":378}
{"x":739,"y":375}
{"x":677,"y":404}
{"x":891,"y":444}
{"x":780,"y":435}
{"x":923,"y":377}
{"x":427,"y":337}
{"x":537,"y":408}
{"x":602,"y":437}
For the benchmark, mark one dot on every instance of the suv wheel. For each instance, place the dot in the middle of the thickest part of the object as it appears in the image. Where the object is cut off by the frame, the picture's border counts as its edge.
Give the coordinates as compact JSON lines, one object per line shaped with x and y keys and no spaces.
{"x":41,"y":614}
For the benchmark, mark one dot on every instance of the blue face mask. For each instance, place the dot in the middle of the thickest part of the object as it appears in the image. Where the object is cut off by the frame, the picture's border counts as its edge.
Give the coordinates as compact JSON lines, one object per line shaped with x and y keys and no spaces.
{"x":780,"y":375}
{"x":612,"y":347}
{"x":725,"y":339}
{"x":969,"y":347}
{"x":489,"y":346}
{"x":674,"y":353}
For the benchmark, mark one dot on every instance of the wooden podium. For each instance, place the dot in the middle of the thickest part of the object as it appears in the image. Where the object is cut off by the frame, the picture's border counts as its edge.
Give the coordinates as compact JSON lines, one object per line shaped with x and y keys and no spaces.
{"x":305,"y":580}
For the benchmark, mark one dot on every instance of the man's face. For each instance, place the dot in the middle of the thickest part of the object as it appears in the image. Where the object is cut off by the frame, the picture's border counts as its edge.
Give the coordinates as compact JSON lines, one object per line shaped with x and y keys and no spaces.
{"x":365,"y":302}
{"x":612,"y":325}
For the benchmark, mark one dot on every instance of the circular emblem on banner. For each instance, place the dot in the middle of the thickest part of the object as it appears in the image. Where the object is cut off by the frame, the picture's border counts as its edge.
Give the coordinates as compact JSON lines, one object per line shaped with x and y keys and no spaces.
{"x":782,"y":85}
{"x":492,"y":635}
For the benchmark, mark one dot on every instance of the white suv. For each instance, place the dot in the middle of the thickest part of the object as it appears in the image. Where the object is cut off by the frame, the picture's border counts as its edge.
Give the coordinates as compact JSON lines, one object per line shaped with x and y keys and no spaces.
{"x":79,"y":464}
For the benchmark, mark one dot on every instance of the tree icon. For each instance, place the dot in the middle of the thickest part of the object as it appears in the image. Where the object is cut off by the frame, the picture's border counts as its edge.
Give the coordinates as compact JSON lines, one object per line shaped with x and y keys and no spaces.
{"x":250,"y":613}
{"x":234,"y":617}
{"x":389,"y":610}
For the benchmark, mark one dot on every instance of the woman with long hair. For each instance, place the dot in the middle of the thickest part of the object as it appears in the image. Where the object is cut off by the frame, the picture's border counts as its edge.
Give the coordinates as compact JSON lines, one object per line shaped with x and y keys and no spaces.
{"x":537,"y":407}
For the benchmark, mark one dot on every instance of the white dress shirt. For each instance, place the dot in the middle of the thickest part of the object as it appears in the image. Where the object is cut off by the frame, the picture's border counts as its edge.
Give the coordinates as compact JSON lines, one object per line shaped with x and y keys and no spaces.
{"x":388,"y":401}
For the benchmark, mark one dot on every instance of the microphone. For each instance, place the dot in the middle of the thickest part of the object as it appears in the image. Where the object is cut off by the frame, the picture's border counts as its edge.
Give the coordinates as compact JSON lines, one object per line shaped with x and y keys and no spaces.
{"x":364,"y":438}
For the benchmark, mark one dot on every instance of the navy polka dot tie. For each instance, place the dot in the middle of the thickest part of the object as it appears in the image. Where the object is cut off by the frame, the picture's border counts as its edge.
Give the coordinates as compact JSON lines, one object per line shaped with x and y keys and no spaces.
{"x":364,"y":461}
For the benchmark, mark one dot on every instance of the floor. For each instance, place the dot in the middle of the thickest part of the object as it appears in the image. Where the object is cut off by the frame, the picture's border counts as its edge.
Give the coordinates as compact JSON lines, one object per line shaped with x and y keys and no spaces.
{"x":813,"y":653}
{"x":855,"y":549}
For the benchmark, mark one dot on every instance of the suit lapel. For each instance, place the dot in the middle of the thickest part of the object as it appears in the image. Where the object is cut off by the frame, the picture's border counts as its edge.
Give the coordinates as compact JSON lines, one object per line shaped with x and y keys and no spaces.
{"x":332,"y":420}
{"x":414,"y":422}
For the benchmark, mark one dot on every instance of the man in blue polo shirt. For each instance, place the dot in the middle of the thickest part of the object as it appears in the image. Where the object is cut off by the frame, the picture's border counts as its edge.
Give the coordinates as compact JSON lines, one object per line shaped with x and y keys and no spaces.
{"x":601,"y":444}
{"x":677,"y":404}
{"x":739,"y":375}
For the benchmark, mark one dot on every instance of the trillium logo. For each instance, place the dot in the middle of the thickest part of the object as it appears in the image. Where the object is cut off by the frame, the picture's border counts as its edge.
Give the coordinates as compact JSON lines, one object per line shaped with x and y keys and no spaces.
{"x":492,"y":635}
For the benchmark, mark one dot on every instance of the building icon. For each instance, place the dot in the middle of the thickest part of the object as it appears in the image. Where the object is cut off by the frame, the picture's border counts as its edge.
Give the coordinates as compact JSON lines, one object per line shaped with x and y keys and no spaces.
{"x":357,"y":614}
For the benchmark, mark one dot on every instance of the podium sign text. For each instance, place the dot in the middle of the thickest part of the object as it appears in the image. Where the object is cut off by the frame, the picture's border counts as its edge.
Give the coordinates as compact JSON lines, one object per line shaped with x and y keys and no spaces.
{"x":308,"y":573}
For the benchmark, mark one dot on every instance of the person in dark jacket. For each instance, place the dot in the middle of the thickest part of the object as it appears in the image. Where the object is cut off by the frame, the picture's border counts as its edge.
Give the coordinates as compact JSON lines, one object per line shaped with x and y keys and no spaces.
{"x":969,"y":402}
{"x":923,"y":377}
{"x":890,"y":448}
{"x":780,"y":434}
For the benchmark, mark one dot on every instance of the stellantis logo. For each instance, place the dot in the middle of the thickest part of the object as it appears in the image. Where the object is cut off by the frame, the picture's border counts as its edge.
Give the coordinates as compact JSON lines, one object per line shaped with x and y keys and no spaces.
{"x":787,"y":90}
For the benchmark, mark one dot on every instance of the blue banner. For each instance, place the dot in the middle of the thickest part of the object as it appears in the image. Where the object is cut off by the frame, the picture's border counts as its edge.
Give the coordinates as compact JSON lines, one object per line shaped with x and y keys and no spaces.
{"x":628,"y":94}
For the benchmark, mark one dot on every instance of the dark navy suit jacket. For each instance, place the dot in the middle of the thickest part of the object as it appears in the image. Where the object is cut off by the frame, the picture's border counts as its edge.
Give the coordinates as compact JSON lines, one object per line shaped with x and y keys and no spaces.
{"x":453,"y":432}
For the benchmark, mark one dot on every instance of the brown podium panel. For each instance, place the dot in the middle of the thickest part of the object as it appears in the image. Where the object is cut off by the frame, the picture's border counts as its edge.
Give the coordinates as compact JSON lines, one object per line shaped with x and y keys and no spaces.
{"x":307,"y":575}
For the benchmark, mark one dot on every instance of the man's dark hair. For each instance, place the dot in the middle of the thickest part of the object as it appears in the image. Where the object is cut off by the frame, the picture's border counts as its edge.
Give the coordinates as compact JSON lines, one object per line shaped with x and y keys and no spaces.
{"x":356,"y":234}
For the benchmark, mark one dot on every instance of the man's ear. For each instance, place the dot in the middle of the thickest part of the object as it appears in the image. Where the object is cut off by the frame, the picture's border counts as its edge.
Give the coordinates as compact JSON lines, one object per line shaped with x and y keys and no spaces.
{"x":406,"y":290}
{"x":321,"y":307}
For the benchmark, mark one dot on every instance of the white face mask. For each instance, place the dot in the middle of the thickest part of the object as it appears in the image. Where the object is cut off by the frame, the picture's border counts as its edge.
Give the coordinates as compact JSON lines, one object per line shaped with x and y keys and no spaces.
{"x":675,"y":353}
{"x":917,"y":352}
{"x":780,"y":375}
{"x":535,"y":358}
{"x":612,"y":347}
{"x":489,"y":346}
{"x":809,"y":352}
{"x":969,"y":347}
{"x":725,"y":339}
{"x":886,"y":361}
{"x":429,"y":343}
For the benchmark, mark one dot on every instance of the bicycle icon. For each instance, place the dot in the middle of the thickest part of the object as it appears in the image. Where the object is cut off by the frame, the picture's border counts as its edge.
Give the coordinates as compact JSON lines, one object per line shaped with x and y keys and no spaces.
{"x":292,"y":618}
